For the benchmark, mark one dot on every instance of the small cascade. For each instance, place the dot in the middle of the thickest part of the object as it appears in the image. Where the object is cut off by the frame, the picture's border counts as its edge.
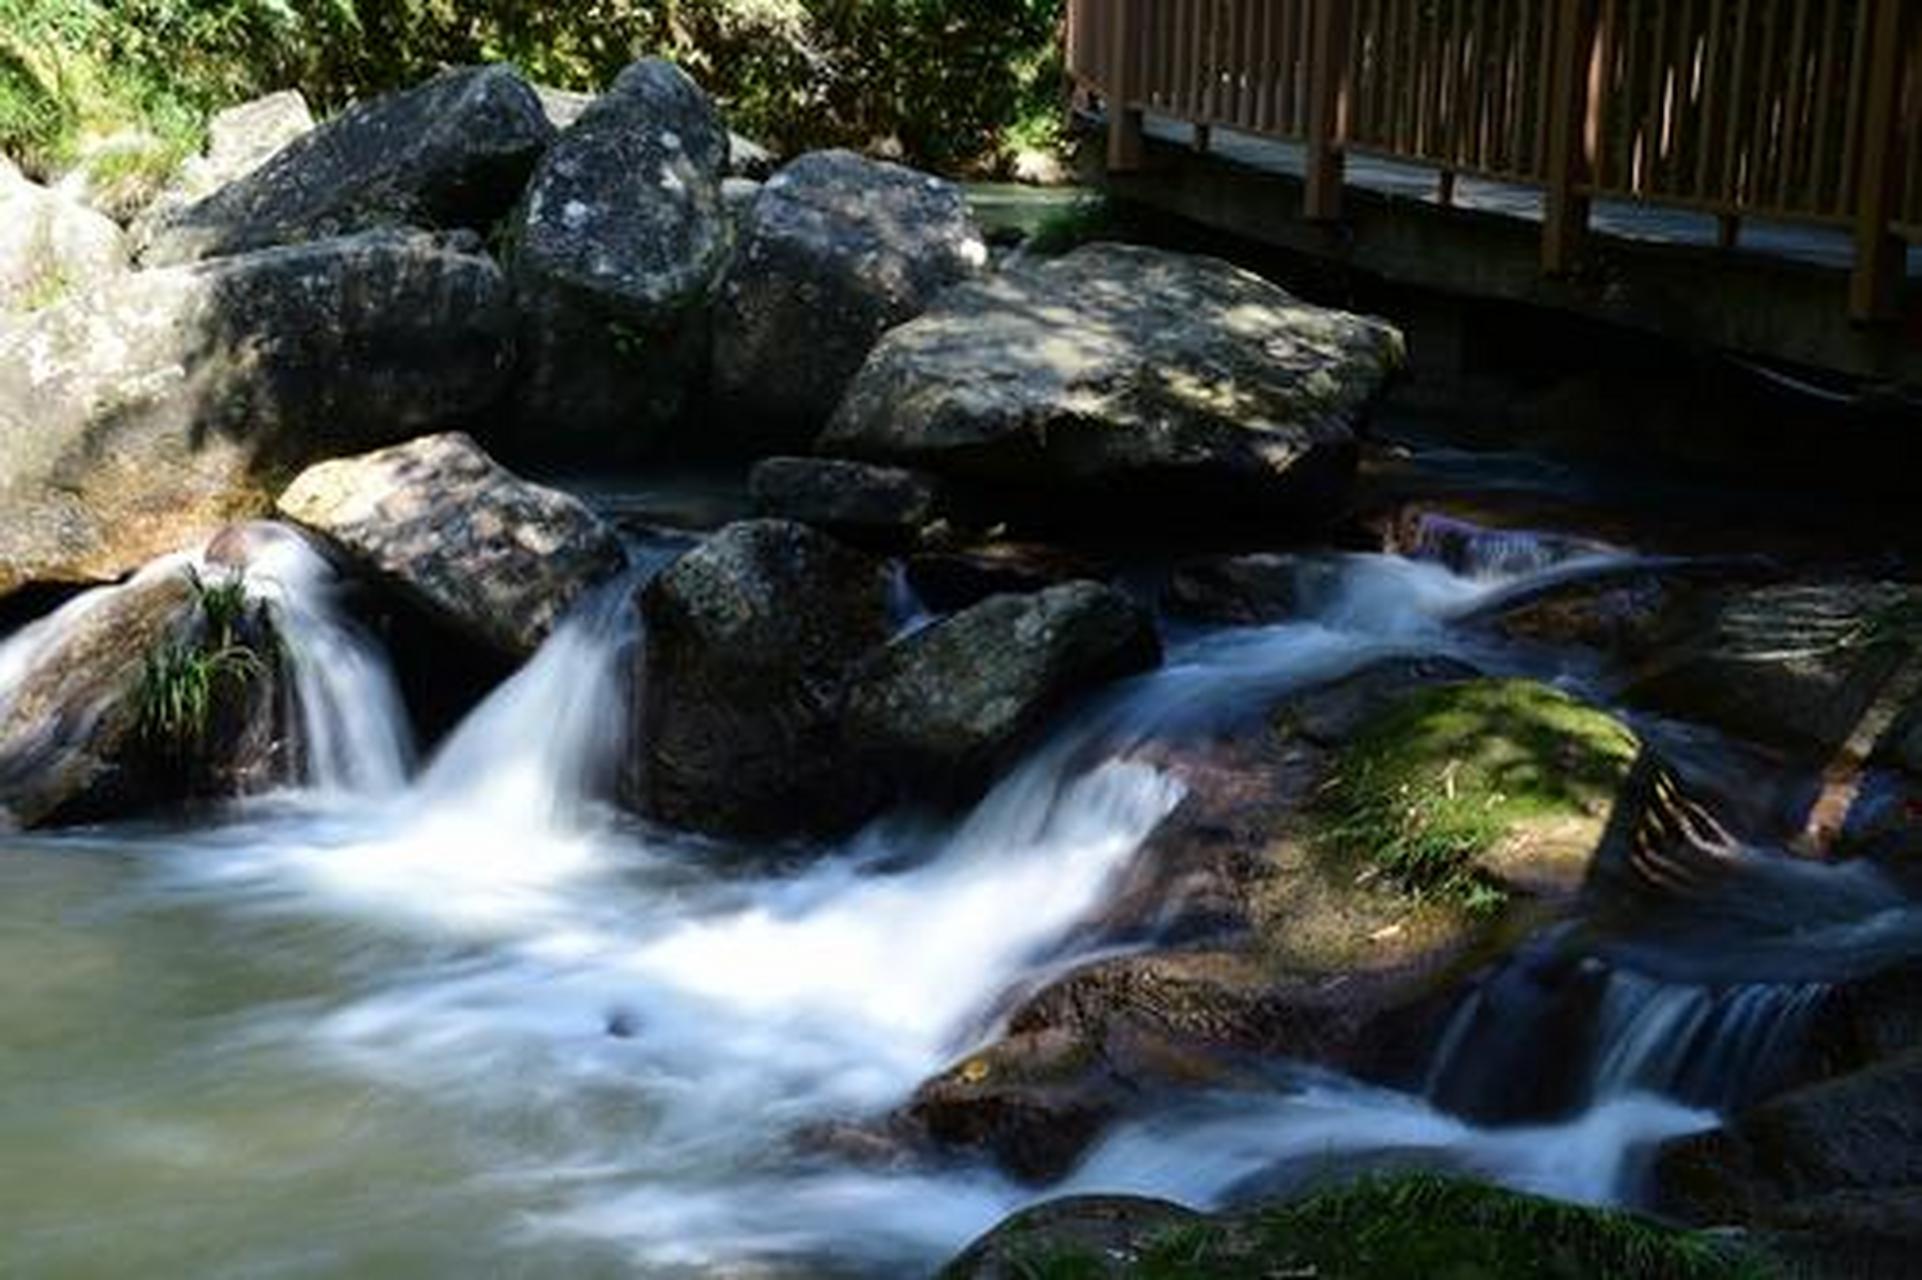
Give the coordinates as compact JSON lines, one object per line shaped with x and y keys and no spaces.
{"x":355,"y":740}
{"x":1719,"y":1047}
{"x":1482,"y":553}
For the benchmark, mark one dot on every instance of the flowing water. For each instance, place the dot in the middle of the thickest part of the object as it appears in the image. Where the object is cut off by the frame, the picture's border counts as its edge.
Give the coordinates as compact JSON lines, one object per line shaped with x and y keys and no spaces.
{"x":465,"y":1018}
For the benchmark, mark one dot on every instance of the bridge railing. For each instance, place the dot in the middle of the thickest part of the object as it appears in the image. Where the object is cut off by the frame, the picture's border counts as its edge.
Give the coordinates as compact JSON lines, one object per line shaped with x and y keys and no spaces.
{"x":1803,"y":111}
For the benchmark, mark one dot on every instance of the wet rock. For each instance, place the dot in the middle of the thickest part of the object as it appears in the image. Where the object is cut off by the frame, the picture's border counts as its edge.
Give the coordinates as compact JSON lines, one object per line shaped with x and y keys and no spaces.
{"x":1126,"y":383}
{"x":163,"y":405}
{"x":751,"y":640}
{"x":51,"y":248}
{"x":1245,"y":590}
{"x":883,"y":506}
{"x":453,"y":152}
{"x":85,"y":734}
{"x":836,"y":250}
{"x":497,"y":557}
{"x":614,"y":251}
{"x":1109,"y":1232}
{"x":1845,"y":1144}
{"x":954,"y":579}
{"x":946,"y":708}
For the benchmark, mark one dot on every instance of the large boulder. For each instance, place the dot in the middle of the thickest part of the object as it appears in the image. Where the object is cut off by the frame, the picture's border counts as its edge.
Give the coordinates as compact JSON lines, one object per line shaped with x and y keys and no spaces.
{"x":1296,"y":904}
{"x":614,"y":252}
{"x":888,"y":506}
{"x":453,"y":152}
{"x":239,"y":140}
{"x":51,"y":248}
{"x":751,"y":640}
{"x":145,"y":415}
{"x":159,"y":691}
{"x":942,"y":710}
{"x":498,"y":558}
{"x":836,"y":250}
{"x":1129,"y":383}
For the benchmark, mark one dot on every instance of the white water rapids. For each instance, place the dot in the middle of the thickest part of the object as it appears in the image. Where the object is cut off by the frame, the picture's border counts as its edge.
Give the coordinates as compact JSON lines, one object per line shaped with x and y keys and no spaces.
{"x":617,"y":1039}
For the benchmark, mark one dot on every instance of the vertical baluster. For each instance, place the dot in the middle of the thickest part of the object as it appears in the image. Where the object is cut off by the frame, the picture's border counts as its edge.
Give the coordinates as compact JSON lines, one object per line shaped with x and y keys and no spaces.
{"x":1124,"y":120}
{"x":1827,"y":84}
{"x":1877,"y":280}
{"x":1565,"y":211}
{"x":1328,"y":40}
{"x":1713,"y":82}
{"x":1792,"y":134}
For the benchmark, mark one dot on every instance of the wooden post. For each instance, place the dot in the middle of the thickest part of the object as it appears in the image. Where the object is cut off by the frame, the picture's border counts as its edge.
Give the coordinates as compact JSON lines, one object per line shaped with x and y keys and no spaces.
{"x":1327,"y":82}
{"x":1728,"y":230}
{"x":1570,"y":110}
{"x":1875,"y":286}
{"x":1124,"y":121}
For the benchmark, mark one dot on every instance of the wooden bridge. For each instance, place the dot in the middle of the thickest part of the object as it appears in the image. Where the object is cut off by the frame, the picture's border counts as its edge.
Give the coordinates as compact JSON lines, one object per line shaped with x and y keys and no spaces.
{"x":1798,"y":116}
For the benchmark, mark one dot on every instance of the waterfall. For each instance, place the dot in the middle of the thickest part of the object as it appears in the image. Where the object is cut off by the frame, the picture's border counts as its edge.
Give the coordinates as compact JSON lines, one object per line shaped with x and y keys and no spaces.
{"x":1485,"y":554}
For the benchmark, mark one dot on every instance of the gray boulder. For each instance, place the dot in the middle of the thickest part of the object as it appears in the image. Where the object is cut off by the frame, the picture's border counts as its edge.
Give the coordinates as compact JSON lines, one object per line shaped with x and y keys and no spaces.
{"x":852,"y":500}
{"x":836,"y":250}
{"x":239,"y":140}
{"x":453,"y":152}
{"x":1244,"y":590}
{"x":51,"y":247}
{"x":748,"y":159}
{"x":82,"y":733}
{"x":615,"y":250}
{"x":751,"y":639}
{"x":143,"y":416}
{"x":942,"y":709}
{"x":1143,"y":384}
{"x":499,"y":558}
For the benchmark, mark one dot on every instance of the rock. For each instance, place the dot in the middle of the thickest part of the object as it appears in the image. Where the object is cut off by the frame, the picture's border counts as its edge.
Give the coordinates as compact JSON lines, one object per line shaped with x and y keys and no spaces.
{"x":1841,"y":1139}
{"x":143,"y":417}
{"x":239,"y":140}
{"x":1479,"y":550}
{"x":1244,"y":590}
{"x":81,"y":737}
{"x":1126,"y":384}
{"x":737,"y":197}
{"x":1110,"y":1230}
{"x":747,"y":158}
{"x":836,"y":250}
{"x":453,"y":152}
{"x":1256,"y":927}
{"x":950,"y":580}
{"x":751,"y":640}
{"x":944,"y":709}
{"x":615,"y":249}
{"x":500,"y":558}
{"x":563,"y":107}
{"x":51,"y":248}
{"x":885,"y":506}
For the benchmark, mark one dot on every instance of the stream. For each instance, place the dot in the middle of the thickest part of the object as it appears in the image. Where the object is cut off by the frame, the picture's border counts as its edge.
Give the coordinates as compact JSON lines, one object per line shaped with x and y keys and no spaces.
{"x":456,"y":1015}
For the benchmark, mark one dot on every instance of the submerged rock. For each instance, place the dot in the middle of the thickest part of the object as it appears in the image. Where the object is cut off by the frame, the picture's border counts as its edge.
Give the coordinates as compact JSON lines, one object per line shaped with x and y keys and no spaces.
{"x":139,"y":696}
{"x":495,"y":556}
{"x":751,"y":640}
{"x":835,"y":250}
{"x":453,"y":152}
{"x":614,"y":251}
{"x":147,"y":415}
{"x":887,"y":506}
{"x":1138,"y":383}
{"x":51,"y":248}
{"x":944,"y":709}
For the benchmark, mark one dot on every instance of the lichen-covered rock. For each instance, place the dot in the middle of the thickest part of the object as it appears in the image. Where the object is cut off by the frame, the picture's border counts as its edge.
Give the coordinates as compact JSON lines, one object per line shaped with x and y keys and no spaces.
{"x":497,"y":557}
{"x":453,"y":152}
{"x":751,"y":640}
{"x":835,"y":250}
{"x":1144,"y":384}
{"x":51,"y":248}
{"x":614,"y":252}
{"x":943,"y":709}
{"x":86,"y":732}
{"x":144,"y":416}
{"x":851,"y":500}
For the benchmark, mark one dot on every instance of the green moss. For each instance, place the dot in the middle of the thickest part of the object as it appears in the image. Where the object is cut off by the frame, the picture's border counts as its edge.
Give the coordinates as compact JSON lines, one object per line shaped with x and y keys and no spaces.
{"x":1442,"y":778}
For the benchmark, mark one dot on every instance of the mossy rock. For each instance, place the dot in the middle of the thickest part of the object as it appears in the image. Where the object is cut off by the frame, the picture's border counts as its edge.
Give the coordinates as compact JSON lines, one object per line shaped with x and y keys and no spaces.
{"x":1473,"y":791}
{"x":1393,"y":1228}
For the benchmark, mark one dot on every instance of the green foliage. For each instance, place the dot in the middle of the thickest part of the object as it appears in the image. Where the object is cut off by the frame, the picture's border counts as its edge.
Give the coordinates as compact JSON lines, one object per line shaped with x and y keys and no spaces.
{"x":1085,"y":220}
{"x":1415,"y":1227}
{"x":183,"y":681}
{"x":952,"y":82}
{"x":1438,"y":780}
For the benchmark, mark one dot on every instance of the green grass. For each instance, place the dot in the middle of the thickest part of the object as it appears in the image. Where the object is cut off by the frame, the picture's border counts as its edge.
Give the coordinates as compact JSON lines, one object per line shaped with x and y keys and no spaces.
{"x":182,"y":681}
{"x":1415,"y":1227}
{"x":1443,"y":777}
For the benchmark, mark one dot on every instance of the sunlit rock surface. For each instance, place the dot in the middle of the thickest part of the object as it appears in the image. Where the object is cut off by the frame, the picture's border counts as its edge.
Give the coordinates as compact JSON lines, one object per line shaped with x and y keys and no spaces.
{"x":613,"y":252}
{"x":1135,"y":381}
{"x":239,"y":140}
{"x":139,"y":418}
{"x":51,"y":247}
{"x":835,"y":250}
{"x":499,"y":558}
{"x":451,"y":153}
{"x":751,"y":640}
